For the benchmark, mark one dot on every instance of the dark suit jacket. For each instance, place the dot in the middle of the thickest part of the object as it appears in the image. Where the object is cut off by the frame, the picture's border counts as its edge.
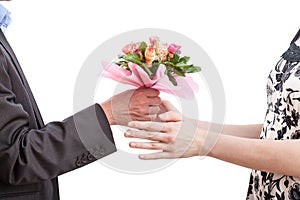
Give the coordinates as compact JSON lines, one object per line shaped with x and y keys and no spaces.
{"x":32,"y":154}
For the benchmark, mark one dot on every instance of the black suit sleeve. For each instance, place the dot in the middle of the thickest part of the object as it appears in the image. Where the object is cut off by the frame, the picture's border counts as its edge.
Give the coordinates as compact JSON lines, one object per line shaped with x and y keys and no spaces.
{"x":33,"y":155}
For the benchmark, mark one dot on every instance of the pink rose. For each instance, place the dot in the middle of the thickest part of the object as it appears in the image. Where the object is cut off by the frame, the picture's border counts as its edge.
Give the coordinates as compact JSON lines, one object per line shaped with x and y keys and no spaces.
{"x":173,"y":48}
{"x":131,"y":47}
{"x":137,"y":51}
{"x":127,"y":48}
{"x":154,"y":40}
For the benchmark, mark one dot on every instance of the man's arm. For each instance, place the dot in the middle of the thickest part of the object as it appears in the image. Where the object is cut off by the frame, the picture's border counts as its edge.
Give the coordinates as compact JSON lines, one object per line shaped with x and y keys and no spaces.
{"x":30,"y":155}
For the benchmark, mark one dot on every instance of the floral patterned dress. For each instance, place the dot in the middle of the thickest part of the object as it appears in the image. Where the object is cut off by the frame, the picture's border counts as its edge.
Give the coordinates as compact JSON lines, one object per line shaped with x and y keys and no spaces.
{"x":281,"y":123}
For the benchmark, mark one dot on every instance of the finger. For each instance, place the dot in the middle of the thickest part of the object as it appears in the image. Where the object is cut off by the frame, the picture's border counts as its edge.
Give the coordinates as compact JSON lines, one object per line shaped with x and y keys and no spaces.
{"x":149,"y":92}
{"x":155,"y":156}
{"x":170,"y":116}
{"x":141,"y":134}
{"x":144,"y":117}
{"x":169,"y":106}
{"x":154,"y":110}
{"x":153,"y":118}
{"x":153,"y":101}
{"x":147,"y":117}
{"x":148,"y":145}
{"x":149,"y":126}
{"x":162,"y":109}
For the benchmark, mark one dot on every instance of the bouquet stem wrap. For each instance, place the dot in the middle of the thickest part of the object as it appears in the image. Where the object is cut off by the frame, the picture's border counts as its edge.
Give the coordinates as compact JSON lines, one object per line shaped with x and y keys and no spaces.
{"x":186,"y":87}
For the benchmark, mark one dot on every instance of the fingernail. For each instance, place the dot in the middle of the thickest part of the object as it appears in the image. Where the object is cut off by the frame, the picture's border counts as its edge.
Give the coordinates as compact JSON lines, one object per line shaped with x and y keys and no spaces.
{"x":133,"y":144}
{"x":162,"y":116}
{"x":141,"y":156}
{"x":130,"y":124}
{"x":127,"y":134}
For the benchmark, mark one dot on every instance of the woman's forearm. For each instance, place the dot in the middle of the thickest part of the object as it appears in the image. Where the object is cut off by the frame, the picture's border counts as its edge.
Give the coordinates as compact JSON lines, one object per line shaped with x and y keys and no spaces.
{"x":246,"y":131}
{"x":277,"y":156}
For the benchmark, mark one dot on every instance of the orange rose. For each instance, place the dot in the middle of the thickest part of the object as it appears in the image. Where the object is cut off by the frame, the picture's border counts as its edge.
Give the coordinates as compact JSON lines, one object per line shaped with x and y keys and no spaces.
{"x":150,"y":55}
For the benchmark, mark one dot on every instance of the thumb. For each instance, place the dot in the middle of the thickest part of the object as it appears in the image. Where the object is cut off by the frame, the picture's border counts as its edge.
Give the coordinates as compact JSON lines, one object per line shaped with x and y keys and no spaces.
{"x":168,"y":106}
{"x":170,"y":116}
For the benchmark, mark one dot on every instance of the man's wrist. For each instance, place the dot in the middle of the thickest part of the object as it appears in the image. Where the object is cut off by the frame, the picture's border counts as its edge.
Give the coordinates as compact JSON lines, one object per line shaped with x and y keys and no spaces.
{"x":106,"y":106}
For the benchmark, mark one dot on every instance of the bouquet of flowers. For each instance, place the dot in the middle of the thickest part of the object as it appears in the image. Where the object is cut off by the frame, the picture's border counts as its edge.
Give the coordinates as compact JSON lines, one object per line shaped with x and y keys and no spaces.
{"x":157,"y":65}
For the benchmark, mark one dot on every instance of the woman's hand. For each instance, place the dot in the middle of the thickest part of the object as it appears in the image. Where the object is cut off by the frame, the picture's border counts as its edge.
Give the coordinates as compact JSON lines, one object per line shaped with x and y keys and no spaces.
{"x":176,"y":137}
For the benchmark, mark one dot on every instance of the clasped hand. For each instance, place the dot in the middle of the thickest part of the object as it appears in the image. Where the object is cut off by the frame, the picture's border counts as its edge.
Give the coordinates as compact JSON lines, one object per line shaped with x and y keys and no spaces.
{"x":166,"y":130}
{"x":133,"y":105}
{"x":175,"y":136}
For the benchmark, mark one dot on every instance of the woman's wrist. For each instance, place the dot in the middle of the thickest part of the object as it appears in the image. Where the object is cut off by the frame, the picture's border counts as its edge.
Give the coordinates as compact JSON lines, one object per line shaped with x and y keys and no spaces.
{"x":208,"y":135}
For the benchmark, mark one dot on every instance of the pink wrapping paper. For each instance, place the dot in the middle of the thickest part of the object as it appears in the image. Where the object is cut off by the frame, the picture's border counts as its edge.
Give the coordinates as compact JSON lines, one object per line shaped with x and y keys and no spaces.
{"x":186,"y":87}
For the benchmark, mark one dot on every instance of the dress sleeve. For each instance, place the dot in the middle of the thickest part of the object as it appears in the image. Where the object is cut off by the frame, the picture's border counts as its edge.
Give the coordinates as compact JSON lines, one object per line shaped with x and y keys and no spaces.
{"x":33,"y":155}
{"x":296,"y":37}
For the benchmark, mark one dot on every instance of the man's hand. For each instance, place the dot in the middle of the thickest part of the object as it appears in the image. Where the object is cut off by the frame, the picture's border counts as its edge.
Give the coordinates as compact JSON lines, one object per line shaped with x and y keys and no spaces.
{"x":133,"y":105}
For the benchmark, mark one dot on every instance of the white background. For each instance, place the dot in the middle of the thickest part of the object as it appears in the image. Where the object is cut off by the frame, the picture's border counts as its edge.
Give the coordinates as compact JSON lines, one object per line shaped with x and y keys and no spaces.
{"x":243,"y":38}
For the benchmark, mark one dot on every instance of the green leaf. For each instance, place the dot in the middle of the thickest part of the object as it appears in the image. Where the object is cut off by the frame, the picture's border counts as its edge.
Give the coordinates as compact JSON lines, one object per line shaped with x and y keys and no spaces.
{"x":171,"y":78}
{"x":119,"y":63}
{"x":173,"y":68}
{"x":146,"y":69}
{"x":143,"y":47}
{"x":123,"y":64}
{"x":126,"y":67}
{"x":179,"y":71}
{"x":183,"y":65}
{"x":194,"y":69}
{"x":133,"y":57}
{"x":175,"y":58}
{"x":188,"y":68}
{"x":154,"y":68}
{"x":184,"y":59}
{"x":168,"y":63}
